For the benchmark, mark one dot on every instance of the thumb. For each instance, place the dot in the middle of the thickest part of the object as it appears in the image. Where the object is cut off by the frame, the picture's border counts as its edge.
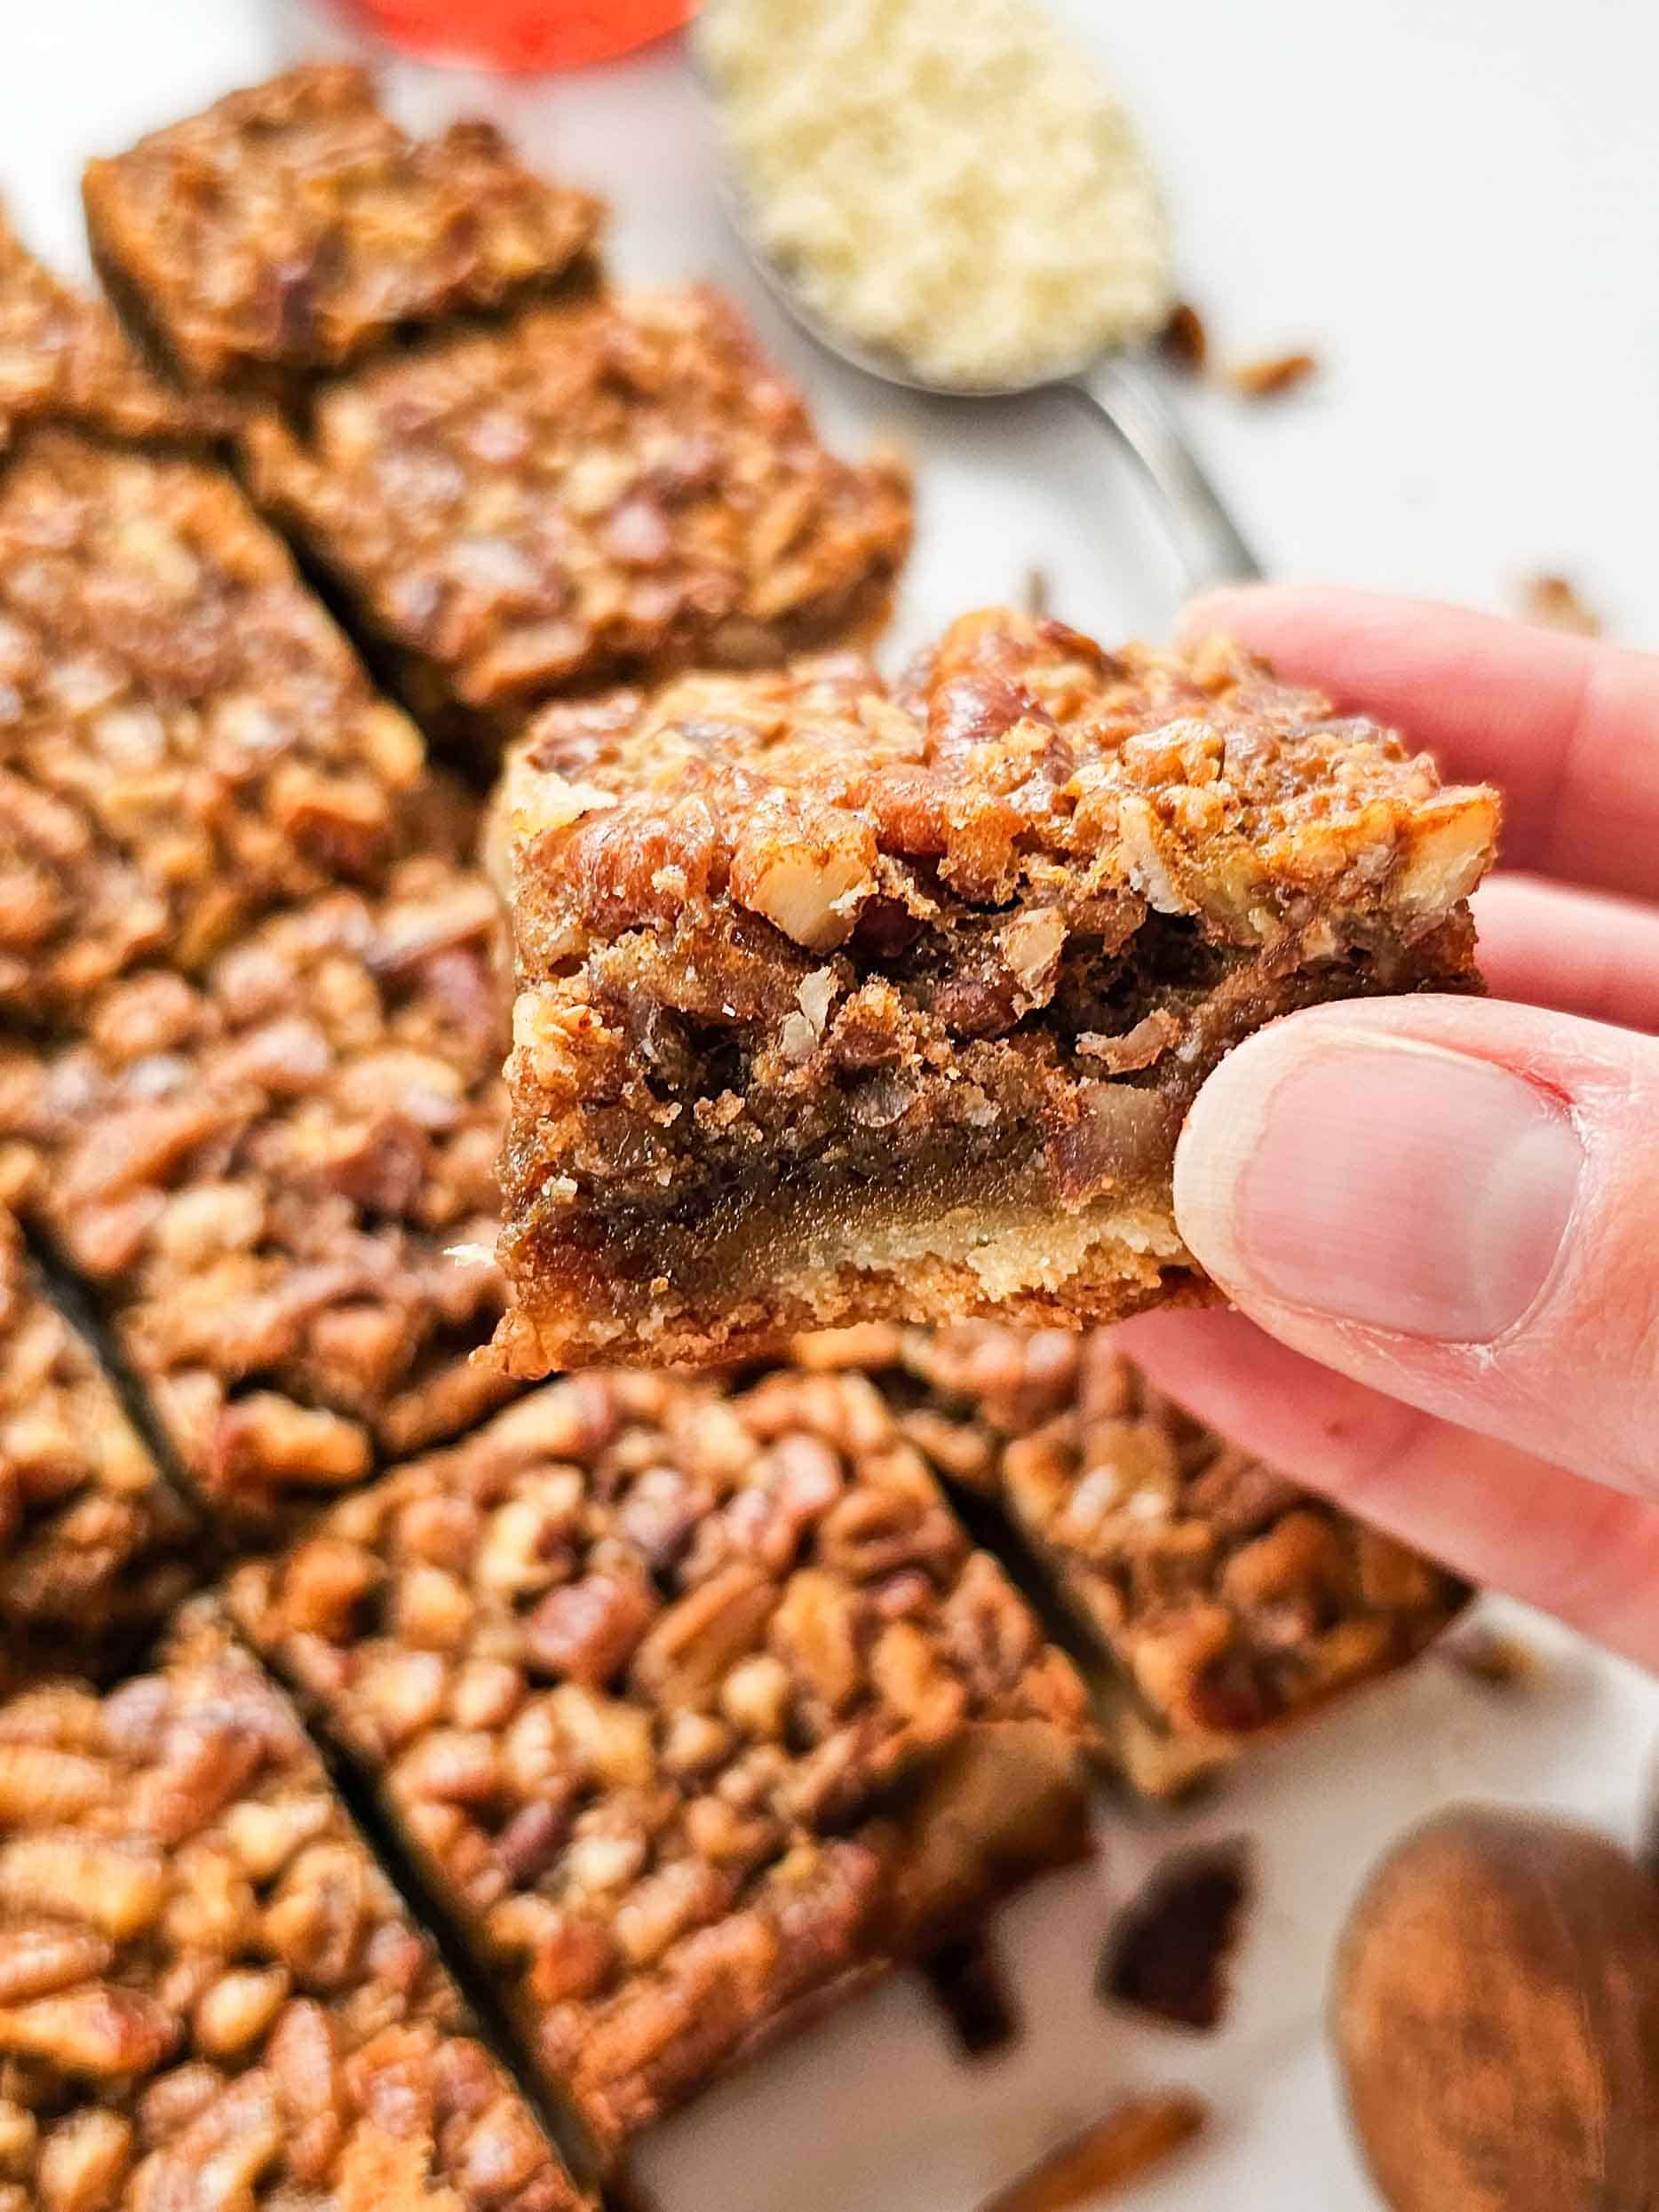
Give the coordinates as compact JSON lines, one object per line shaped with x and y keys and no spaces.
{"x":1455,"y":1201}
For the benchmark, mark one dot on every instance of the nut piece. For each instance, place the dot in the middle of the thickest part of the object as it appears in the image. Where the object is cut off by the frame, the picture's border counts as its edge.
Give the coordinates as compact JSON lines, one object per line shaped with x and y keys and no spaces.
{"x":1496,"y":2012}
{"x":1183,"y":342}
{"x":1169,"y":1954}
{"x":1555,"y":603}
{"x":82,"y":2161}
{"x":1269,"y":375}
{"x":813,"y":883}
{"x":1134,"y":2137}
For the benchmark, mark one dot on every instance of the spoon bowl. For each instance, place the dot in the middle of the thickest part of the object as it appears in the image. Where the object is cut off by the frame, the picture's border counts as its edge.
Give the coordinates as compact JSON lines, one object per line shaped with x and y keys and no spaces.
{"x":1121,"y":386}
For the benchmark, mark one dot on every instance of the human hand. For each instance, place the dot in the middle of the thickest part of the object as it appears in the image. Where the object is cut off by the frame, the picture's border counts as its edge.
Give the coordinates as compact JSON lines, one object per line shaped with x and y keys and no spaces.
{"x":1439,"y":1217}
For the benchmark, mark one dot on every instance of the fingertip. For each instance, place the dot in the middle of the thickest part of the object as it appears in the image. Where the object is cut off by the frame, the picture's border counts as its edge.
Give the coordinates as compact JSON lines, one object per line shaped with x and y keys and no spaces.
{"x":1228,"y":612}
{"x":1276,"y":618}
{"x":1494,"y":1513}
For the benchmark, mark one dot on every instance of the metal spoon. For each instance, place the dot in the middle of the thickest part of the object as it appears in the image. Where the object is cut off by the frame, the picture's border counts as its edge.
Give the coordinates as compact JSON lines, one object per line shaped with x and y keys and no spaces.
{"x":1122,"y":388}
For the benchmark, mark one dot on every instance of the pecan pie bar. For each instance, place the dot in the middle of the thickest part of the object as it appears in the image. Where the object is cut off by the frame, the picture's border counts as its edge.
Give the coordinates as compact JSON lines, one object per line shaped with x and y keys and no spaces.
{"x":63,"y":355}
{"x":94,"y":1546}
{"x":578,"y":486}
{"x":291,"y":227}
{"x":836,"y":1005}
{"x":186,"y":740}
{"x":211,"y":2000}
{"x":601,"y":486}
{"x":1230,"y":1602}
{"x":695,"y":1702}
{"x":264,"y":1173}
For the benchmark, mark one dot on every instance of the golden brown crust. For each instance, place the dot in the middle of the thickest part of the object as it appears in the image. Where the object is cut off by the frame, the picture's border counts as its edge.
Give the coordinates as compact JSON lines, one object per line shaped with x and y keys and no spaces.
{"x":208,"y":1991}
{"x":1106,"y":1285}
{"x":186,"y":741}
{"x":833,"y":998}
{"x":292,"y":226}
{"x":264,"y":1173}
{"x":639,"y":1669}
{"x":598,"y":486}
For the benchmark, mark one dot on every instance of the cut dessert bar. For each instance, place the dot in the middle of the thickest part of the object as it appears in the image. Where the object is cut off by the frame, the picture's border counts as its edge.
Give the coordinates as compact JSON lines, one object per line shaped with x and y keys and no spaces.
{"x":184,"y":738}
{"x":838,"y":1006}
{"x":578,"y":486}
{"x":209,"y":1996}
{"x":696,"y":1704}
{"x":264,"y":1172}
{"x":291,"y":227}
{"x":602,"y":487}
{"x":1231,"y":1603}
{"x":63,"y":356}
{"x":95,"y":1549}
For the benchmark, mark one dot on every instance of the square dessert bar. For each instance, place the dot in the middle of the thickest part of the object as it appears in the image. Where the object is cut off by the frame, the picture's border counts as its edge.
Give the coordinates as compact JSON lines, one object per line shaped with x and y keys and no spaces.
{"x":209,"y":1993}
{"x":696,"y":1704}
{"x":1229,"y":1603}
{"x":186,"y":740}
{"x":64,"y":356}
{"x":836,"y":1005}
{"x":599,"y":487}
{"x":263,"y":1174}
{"x":95,"y":1549}
{"x":578,"y":486}
{"x":291,"y":227}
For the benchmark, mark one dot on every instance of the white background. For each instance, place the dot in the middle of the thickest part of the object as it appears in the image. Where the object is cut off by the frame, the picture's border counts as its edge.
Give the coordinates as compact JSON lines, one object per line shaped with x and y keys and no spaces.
{"x":1456,"y":204}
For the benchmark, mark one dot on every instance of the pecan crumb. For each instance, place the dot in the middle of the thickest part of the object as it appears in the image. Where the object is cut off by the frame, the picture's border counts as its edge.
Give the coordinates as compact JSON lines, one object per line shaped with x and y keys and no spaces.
{"x":1183,"y":342}
{"x":966,"y":1982}
{"x":1269,"y":375}
{"x":1168,"y":1953}
{"x":1133,"y":2136}
{"x":1490,"y":1657}
{"x":1553,"y":602}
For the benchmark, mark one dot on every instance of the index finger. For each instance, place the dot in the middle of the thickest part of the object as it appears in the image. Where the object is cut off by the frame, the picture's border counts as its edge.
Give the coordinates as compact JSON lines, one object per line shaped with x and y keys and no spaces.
{"x":1494,"y":1512}
{"x":1567,"y":727}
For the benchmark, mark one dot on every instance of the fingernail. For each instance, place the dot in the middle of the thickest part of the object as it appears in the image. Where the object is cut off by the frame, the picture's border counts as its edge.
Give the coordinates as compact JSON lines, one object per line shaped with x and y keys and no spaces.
{"x":1377,"y":1179}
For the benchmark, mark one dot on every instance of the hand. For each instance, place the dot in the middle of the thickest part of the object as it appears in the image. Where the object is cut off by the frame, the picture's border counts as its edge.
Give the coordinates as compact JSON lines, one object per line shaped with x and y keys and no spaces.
{"x":1439,"y":1217}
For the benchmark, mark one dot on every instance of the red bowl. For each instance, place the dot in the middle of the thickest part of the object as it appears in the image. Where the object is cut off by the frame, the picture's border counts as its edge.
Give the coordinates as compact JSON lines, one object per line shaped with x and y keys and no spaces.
{"x":522,"y":36}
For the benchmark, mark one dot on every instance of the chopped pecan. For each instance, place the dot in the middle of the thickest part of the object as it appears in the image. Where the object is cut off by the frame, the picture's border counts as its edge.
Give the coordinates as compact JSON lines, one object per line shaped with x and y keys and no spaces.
{"x":209,"y":1993}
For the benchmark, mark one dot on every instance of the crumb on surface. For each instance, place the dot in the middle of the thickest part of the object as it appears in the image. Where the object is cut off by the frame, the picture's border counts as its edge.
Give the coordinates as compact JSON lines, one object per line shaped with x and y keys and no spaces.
{"x":965,"y":1980}
{"x":1492,"y":1657}
{"x":1132,"y":2138}
{"x":1184,"y":341}
{"x":1554,"y":603}
{"x":1168,"y":1953}
{"x":1270,"y":375}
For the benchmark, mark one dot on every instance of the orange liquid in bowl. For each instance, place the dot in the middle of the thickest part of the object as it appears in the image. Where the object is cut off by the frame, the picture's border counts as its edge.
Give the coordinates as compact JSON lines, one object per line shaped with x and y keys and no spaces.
{"x":522,"y":36}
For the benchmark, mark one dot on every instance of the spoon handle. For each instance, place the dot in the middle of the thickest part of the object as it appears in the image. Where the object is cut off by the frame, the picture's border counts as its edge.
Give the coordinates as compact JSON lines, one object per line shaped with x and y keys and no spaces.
{"x":1211,"y":546}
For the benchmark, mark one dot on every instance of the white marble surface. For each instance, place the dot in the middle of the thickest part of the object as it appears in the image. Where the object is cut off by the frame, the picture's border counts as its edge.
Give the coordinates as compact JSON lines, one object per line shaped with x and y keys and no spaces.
{"x":1454,"y":203}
